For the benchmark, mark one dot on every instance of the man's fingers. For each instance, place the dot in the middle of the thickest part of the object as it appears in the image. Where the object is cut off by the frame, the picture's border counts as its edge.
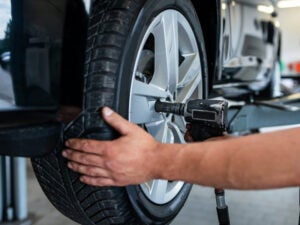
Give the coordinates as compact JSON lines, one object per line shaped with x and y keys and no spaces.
{"x":83,"y":158}
{"x":98,"y":182}
{"x":90,"y":171}
{"x":93,"y":146}
{"x":116,"y":121}
{"x":88,"y":145}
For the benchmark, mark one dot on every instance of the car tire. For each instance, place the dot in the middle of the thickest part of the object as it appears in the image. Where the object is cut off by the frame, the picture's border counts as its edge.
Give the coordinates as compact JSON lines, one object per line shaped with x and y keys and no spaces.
{"x":129,"y":67}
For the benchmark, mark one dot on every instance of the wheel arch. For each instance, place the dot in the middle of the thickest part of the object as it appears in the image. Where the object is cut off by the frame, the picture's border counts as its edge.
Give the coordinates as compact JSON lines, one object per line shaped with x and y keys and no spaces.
{"x":209,"y":14}
{"x":73,"y":54}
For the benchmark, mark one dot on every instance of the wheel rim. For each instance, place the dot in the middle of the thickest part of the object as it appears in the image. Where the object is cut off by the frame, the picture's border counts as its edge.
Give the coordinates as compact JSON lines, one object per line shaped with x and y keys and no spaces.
{"x":168,"y":68}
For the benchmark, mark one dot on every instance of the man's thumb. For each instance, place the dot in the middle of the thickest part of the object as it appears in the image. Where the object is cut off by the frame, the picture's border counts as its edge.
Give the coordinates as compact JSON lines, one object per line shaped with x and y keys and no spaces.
{"x":116,"y":121}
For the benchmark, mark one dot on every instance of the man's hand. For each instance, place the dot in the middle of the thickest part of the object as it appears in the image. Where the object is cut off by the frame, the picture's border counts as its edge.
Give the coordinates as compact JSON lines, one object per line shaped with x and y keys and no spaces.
{"x":127,"y":160}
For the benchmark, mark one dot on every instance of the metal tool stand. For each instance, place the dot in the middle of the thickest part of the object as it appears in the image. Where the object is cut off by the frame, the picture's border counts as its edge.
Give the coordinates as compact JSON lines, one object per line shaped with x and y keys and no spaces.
{"x":13,"y":191}
{"x":222,"y":208}
{"x":278,"y":112}
{"x":16,"y":142}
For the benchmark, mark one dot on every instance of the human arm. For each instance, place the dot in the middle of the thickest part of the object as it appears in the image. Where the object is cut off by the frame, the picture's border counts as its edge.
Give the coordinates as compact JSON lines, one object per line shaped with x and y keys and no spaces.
{"x":252,"y":162}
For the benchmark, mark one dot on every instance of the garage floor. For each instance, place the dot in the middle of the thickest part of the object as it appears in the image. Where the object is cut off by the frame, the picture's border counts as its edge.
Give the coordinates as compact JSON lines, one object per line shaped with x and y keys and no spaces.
{"x":277,"y":207}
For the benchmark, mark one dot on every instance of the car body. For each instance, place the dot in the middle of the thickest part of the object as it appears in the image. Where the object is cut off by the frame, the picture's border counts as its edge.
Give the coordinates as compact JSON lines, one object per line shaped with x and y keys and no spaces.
{"x":245,"y":44}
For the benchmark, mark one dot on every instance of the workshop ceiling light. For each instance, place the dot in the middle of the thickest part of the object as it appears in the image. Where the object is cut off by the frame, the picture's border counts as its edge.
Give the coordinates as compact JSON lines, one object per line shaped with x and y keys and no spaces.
{"x":265,"y":9}
{"x":277,"y":24}
{"x":288,"y":4}
{"x":224,"y":6}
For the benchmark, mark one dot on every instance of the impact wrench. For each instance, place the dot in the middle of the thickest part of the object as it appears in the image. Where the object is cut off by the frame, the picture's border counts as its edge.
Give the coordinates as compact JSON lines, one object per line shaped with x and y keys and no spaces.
{"x":208,"y":119}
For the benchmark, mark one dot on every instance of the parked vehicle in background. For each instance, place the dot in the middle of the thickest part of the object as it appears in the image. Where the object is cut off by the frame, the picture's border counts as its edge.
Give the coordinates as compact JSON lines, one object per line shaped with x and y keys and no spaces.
{"x":252,"y":53}
{"x":68,"y":56}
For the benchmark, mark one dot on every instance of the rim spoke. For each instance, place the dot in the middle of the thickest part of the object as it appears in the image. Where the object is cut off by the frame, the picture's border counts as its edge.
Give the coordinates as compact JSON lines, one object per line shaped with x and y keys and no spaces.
{"x":190,"y":77}
{"x":142,"y":102}
{"x":186,"y":93}
{"x":142,"y":111}
{"x":180,"y":122}
{"x":159,"y":130}
{"x":170,"y":138}
{"x":159,"y":190}
{"x":177,"y":133}
{"x":167,"y":52}
{"x":150,"y":91}
{"x":188,"y":70}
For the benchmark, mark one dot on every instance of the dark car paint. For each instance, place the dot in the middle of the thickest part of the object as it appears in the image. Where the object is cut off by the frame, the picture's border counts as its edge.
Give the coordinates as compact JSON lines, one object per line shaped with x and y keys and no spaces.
{"x":66,"y":22}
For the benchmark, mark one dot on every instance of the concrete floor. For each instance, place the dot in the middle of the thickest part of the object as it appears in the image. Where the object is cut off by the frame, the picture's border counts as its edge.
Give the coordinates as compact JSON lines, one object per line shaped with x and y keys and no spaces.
{"x":276,"y":207}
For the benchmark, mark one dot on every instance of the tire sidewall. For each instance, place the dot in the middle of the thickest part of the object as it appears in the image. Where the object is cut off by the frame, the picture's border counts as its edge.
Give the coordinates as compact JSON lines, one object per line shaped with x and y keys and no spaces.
{"x":147,"y":210}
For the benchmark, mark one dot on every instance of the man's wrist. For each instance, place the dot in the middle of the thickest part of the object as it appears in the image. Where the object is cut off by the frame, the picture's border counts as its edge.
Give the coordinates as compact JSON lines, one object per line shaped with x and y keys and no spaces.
{"x":167,"y":165}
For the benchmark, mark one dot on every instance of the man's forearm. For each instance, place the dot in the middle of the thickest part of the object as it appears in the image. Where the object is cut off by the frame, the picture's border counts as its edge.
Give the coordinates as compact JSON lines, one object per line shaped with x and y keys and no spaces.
{"x":252,"y":162}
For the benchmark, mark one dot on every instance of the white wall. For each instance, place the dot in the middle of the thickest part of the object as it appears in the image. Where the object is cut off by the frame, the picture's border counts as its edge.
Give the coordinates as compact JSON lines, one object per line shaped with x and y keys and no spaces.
{"x":290,"y":26}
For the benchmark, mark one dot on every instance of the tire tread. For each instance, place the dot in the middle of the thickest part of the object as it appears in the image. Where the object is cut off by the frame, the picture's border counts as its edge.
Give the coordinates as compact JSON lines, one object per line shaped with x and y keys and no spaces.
{"x":109,"y":25}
